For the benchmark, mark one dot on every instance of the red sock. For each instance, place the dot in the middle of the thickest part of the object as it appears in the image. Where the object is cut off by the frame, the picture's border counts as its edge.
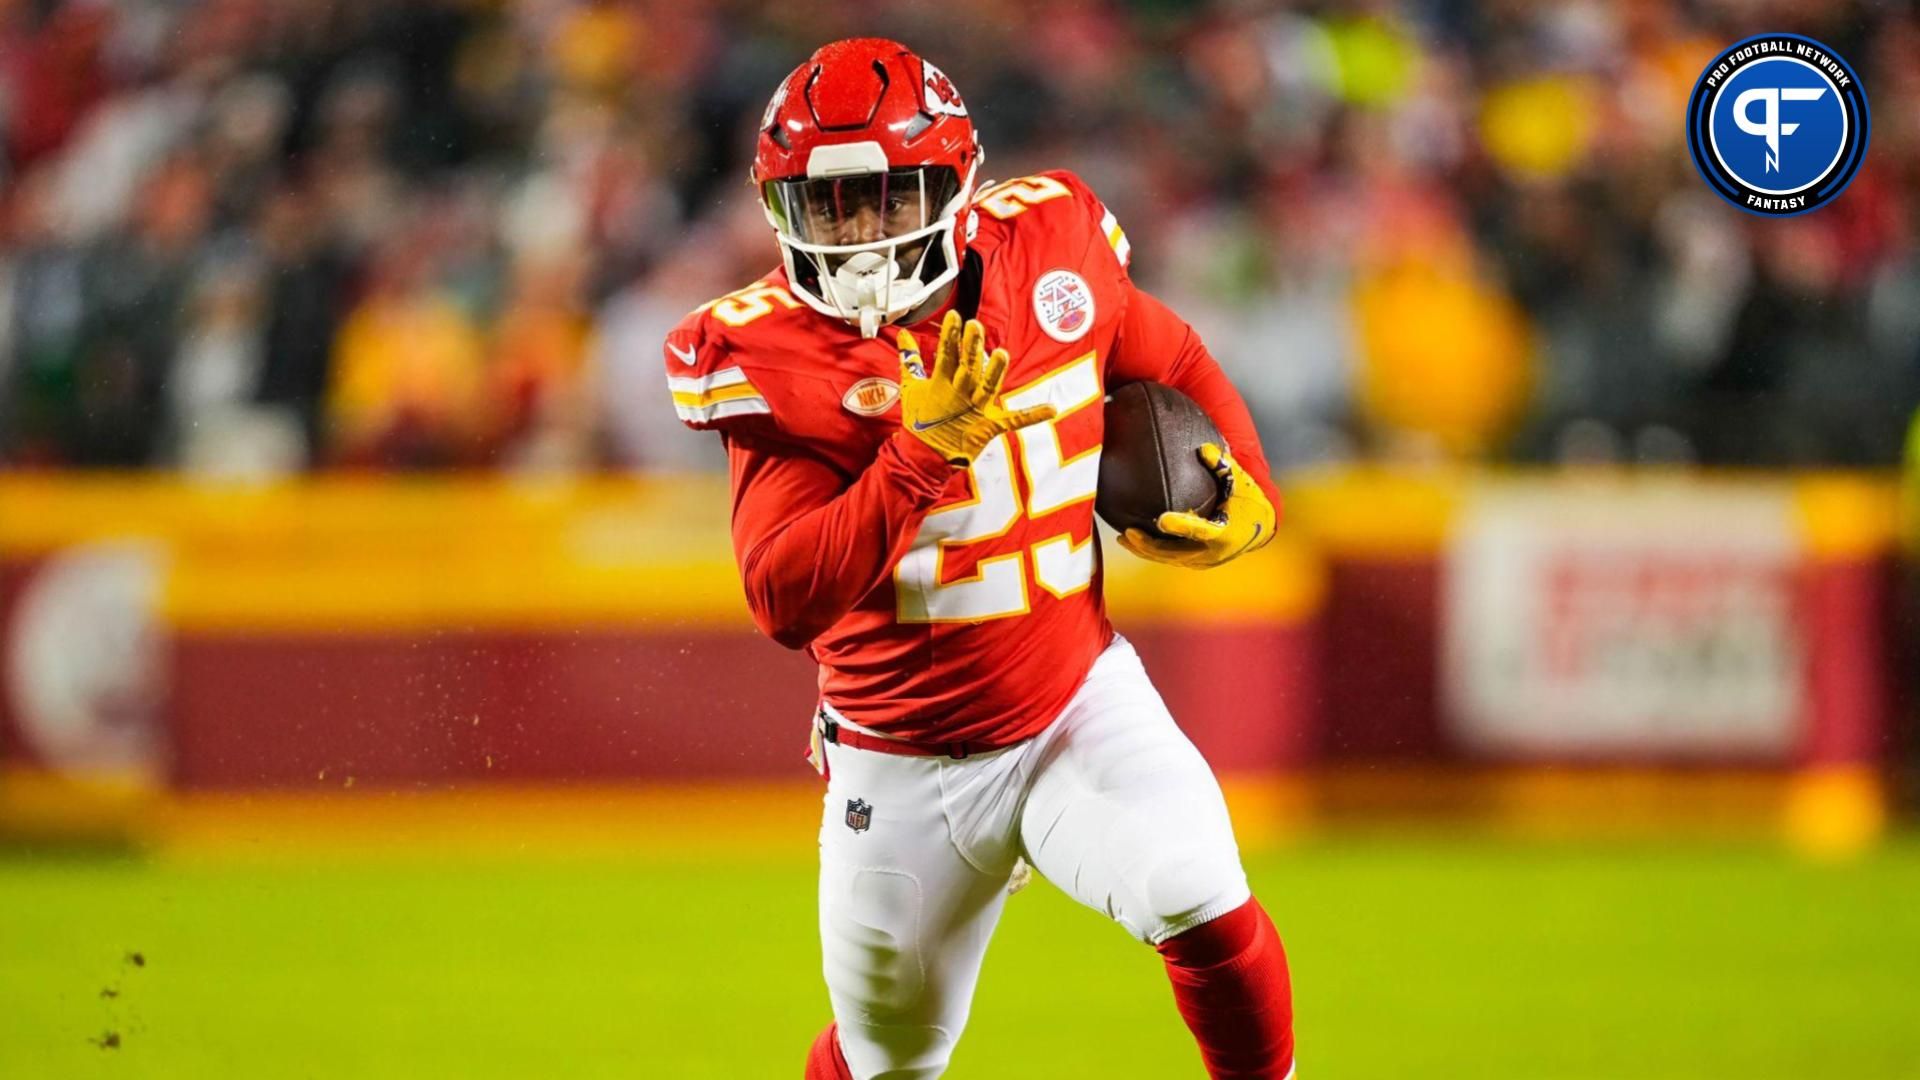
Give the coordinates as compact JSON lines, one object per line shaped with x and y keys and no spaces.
{"x":1230,"y":982}
{"x":825,"y":1061}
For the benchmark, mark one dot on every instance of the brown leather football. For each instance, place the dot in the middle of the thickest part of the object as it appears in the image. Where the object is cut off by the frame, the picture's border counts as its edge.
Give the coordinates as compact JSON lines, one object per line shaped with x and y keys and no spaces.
{"x":1151,"y":460}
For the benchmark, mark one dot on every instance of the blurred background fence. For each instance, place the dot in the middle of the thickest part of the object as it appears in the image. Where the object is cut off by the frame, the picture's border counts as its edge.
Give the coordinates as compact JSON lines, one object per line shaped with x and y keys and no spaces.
{"x":1601,"y":648}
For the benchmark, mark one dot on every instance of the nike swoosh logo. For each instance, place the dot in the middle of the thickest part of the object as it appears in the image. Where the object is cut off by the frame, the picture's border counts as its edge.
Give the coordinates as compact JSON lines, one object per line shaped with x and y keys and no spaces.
{"x":918,"y":426}
{"x":686,"y":355}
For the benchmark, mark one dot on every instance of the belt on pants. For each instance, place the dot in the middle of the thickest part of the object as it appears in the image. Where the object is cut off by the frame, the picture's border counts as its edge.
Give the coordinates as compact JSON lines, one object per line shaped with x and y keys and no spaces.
{"x":833,"y":732}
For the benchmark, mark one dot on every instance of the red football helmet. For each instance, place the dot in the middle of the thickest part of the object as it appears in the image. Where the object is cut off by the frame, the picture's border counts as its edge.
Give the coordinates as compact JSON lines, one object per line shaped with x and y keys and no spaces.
{"x":865,"y":159}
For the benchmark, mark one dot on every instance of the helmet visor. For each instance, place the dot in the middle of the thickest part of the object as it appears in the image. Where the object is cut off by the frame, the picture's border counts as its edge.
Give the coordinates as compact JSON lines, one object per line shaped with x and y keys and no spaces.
{"x":866,"y":208}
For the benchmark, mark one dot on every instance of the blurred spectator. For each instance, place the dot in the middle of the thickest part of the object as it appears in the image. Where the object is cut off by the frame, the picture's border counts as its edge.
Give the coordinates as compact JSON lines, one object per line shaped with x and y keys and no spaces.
{"x":407,"y":381}
{"x":306,"y":279}
{"x":537,"y":369}
{"x":723,"y":253}
{"x":1444,"y":359}
{"x":247,"y":236}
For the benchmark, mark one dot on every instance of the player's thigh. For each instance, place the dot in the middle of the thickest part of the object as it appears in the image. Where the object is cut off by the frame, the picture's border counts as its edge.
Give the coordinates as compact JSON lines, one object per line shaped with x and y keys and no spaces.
{"x":904,"y":919}
{"x":1125,"y":814}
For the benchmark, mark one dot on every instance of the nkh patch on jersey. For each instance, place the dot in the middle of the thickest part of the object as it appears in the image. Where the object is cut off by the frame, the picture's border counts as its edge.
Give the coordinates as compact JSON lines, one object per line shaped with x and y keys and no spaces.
{"x":871,"y":397}
{"x":1063,"y":304}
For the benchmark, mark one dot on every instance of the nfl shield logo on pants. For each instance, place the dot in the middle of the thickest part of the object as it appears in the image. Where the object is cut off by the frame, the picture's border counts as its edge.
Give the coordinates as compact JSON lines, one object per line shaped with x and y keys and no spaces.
{"x":859,"y":814}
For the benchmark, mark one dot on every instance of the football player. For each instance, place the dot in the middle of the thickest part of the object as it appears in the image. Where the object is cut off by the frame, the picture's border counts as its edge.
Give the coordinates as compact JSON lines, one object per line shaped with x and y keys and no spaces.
{"x":911,"y":406}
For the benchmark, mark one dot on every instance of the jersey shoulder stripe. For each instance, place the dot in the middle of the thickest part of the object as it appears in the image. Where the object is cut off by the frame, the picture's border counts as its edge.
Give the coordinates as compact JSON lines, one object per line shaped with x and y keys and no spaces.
{"x":1116,"y":236}
{"x":717,"y":395}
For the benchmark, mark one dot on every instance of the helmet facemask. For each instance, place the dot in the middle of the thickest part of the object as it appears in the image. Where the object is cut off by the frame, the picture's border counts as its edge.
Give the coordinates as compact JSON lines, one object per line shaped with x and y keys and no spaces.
{"x":869,"y":247}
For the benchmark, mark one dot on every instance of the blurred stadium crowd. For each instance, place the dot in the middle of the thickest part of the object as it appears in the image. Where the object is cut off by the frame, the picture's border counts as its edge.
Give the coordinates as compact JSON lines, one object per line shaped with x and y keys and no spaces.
{"x":256,"y":236}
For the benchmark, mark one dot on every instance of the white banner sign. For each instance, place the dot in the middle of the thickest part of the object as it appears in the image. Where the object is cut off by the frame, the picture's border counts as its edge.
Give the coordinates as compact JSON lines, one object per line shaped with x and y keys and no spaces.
{"x":1639,"y":618}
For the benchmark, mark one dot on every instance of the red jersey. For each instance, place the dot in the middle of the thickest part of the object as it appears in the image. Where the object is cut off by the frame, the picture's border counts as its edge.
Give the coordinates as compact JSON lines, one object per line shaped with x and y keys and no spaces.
{"x":943,"y":604}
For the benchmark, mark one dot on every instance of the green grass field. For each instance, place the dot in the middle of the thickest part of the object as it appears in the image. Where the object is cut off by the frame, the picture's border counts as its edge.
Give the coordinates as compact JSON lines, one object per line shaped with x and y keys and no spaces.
{"x":1412,"y":958}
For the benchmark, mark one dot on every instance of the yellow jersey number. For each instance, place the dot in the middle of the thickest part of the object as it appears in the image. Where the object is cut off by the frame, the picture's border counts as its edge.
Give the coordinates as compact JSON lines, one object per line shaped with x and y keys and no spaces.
{"x":1011,"y":197}
{"x":741,"y":307}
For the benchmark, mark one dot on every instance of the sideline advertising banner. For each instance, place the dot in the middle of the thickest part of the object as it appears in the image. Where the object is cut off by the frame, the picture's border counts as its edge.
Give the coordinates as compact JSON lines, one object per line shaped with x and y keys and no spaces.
{"x":1624,"y":620}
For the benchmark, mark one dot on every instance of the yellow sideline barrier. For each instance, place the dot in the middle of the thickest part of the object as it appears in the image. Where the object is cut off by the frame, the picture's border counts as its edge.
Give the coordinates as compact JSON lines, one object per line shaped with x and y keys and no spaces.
{"x":392,"y":550}
{"x":1824,"y":815}
{"x":346,"y":554}
{"x":775,"y":818}
{"x":1383,"y":513}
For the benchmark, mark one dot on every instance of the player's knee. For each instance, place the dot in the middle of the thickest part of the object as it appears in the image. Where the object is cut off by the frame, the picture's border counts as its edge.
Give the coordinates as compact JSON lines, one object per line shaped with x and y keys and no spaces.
{"x":896,"y":1051}
{"x":1181,"y":891}
{"x":878,"y":976}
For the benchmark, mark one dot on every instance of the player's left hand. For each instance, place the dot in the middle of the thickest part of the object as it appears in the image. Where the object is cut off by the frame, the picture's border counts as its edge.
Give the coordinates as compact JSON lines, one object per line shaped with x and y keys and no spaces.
{"x":955,"y":407}
{"x":1243,"y":523}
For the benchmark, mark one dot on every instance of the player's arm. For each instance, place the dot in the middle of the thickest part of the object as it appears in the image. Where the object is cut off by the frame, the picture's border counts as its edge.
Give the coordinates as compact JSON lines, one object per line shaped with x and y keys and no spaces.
{"x":809,"y":544}
{"x":1157,"y":345}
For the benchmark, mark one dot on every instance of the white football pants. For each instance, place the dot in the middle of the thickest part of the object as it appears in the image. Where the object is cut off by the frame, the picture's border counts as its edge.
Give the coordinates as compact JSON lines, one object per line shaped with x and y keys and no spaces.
{"x":1111,"y":803}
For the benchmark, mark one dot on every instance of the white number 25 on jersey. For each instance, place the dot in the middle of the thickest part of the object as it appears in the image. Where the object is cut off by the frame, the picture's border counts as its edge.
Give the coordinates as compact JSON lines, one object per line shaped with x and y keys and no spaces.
{"x":998,"y":588}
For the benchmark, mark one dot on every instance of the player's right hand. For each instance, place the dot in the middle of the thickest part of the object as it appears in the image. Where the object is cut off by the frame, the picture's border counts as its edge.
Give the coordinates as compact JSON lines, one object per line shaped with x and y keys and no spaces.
{"x":951,"y":407}
{"x":1243,"y":523}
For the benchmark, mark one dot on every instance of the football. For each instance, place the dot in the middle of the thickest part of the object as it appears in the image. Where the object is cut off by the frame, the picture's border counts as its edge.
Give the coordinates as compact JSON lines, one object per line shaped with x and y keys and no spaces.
{"x":1151,"y":463}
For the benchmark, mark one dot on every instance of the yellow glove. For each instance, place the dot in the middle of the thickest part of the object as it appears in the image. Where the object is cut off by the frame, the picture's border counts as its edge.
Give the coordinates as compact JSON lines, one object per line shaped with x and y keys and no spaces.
{"x":952,"y":407}
{"x":1243,"y":523}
